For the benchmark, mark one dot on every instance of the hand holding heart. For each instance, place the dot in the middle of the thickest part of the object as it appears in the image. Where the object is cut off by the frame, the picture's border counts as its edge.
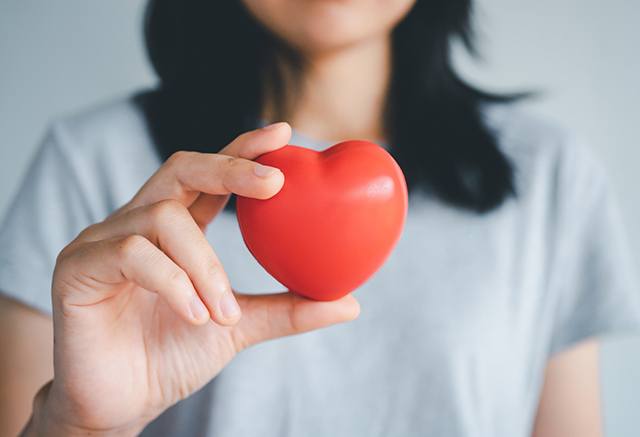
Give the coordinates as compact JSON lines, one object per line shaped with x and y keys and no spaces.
{"x":143,"y":311}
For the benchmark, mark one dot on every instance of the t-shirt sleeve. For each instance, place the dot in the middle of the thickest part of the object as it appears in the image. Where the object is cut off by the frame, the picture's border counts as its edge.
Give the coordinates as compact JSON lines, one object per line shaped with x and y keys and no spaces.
{"x":48,"y":211}
{"x":593,"y":276}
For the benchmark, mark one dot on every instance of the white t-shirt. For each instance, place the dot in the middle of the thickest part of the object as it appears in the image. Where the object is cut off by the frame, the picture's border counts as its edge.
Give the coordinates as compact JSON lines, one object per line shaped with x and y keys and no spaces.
{"x":455,"y":330}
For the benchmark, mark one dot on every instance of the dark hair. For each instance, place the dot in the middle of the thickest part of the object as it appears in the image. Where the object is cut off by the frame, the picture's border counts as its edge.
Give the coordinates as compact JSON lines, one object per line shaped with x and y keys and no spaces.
{"x":211,"y":58}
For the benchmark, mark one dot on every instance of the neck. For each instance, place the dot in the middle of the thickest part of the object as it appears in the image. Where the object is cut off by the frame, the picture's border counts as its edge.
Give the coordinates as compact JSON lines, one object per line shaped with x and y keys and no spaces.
{"x":341,"y":94}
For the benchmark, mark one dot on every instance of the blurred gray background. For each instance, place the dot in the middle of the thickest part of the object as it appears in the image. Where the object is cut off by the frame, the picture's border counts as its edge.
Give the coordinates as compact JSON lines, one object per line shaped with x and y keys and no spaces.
{"x":59,"y":57}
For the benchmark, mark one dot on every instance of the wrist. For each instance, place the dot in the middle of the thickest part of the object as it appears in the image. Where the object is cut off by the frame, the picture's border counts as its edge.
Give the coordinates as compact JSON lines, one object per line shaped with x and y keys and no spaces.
{"x":47,"y":421}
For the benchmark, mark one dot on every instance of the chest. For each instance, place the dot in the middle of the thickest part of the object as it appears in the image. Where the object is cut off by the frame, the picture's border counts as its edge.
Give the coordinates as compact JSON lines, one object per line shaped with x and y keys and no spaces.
{"x":454,"y":281}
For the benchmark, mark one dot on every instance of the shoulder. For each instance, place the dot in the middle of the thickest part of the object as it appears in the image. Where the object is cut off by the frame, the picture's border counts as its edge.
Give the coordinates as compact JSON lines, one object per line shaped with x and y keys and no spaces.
{"x":115,"y":124}
{"x":545,"y":153}
{"x":108,"y":148}
{"x":523,"y":133}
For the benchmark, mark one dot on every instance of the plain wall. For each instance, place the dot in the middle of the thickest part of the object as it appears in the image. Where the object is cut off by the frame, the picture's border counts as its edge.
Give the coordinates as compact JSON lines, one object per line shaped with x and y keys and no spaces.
{"x":59,"y":57}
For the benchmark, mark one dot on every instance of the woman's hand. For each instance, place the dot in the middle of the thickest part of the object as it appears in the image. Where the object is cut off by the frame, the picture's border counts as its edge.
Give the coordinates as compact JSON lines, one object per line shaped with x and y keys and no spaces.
{"x":144,"y":314}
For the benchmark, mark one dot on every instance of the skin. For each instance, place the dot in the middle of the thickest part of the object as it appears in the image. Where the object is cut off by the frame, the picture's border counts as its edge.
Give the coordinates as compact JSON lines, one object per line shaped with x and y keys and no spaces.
{"x":124,"y":353}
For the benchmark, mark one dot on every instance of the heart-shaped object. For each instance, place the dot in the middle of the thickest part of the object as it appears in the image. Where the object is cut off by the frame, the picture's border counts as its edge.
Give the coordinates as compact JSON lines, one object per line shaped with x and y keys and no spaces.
{"x":334,"y":222}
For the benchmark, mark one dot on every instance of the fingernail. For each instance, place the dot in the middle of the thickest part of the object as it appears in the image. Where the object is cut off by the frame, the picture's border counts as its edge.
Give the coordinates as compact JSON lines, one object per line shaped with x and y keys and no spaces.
{"x":274,"y":126}
{"x":263,"y":171}
{"x":229,"y":307}
{"x":199,"y":312}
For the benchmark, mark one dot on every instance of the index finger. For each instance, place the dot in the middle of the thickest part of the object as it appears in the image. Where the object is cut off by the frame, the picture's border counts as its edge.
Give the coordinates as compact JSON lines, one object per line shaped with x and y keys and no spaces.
{"x":188,"y":174}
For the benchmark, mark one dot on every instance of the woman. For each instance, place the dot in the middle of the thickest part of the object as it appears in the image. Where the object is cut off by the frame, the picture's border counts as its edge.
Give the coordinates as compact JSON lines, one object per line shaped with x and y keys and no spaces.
{"x":483,"y":322}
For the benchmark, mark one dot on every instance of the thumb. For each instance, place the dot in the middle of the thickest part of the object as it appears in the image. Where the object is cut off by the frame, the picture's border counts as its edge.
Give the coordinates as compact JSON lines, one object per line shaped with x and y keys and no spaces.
{"x":266,"y":317}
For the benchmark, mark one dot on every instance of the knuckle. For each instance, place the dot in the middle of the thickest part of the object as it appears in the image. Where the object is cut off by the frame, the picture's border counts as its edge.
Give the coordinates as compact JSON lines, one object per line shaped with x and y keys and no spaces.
{"x":242,"y":137}
{"x":214,"y":269}
{"x":227,"y":174}
{"x":62,"y":260}
{"x":230,"y":161}
{"x":89,"y":233}
{"x":232,"y":168}
{"x":63,"y":255}
{"x":66,"y":269}
{"x":294,"y":323}
{"x":178,"y":278}
{"x":131,"y":247}
{"x":178,"y":158}
{"x":166,"y":211}
{"x":69,"y":251}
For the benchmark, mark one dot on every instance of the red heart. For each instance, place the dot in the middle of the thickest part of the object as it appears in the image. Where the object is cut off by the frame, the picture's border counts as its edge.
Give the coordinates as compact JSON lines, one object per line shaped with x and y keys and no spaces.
{"x":333,"y":223}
